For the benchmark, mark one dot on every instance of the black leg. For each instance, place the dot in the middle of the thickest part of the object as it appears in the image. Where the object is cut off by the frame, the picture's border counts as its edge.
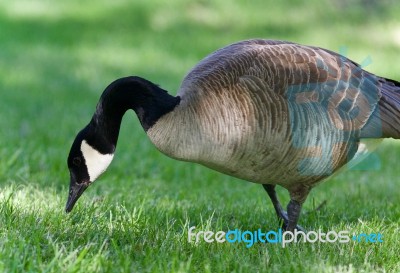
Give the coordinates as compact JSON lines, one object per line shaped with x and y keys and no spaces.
{"x":293,"y":211}
{"x":291,"y":217}
{"x":270,"y":189}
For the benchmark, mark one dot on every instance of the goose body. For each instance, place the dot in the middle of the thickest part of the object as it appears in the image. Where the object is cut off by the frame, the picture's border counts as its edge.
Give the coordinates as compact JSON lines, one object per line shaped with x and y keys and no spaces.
{"x":269,"y":112}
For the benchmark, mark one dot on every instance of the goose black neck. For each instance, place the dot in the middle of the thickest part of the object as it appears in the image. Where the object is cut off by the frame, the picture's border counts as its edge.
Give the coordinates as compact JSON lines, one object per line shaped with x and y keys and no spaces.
{"x":149,"y":102}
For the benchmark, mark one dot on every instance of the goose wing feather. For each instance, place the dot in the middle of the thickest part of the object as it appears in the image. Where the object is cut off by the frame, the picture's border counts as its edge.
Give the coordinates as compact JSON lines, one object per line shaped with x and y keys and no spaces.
{"x":298,"y":73}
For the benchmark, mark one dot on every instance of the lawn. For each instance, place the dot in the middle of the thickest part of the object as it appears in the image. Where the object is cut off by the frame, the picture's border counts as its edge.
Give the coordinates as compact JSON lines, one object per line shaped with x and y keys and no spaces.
{"x":57,"y":57}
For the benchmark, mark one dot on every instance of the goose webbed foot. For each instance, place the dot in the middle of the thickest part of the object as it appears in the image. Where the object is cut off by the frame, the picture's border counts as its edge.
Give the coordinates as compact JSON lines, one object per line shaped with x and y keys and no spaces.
{"x":289,"y":219}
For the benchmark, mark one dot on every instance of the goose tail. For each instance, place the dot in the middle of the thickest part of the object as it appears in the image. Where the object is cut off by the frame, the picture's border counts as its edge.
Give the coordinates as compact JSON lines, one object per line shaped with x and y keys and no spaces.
{"x":389,"y":107}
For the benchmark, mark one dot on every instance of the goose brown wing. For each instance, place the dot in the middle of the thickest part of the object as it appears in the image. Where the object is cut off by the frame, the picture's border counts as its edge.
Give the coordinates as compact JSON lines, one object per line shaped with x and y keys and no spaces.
{"x":295,"y":73}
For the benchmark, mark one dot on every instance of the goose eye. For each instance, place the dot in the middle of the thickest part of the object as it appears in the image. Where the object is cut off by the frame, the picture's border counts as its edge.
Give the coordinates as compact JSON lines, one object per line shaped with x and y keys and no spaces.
{"x":77,"y":161}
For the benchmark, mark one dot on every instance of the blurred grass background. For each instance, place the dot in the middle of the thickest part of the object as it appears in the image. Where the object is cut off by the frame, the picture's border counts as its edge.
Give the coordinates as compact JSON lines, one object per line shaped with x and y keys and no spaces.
{"x":57,"y":57}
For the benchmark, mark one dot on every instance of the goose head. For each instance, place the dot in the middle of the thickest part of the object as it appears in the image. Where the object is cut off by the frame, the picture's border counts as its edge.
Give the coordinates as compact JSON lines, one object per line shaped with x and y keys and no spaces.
{"x":93,"y":148}
{"x":89,"y":157}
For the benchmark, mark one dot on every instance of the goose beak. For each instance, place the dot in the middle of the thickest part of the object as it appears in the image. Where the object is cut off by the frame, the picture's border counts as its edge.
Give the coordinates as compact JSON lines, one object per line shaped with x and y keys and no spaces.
{"x":75,"y":191}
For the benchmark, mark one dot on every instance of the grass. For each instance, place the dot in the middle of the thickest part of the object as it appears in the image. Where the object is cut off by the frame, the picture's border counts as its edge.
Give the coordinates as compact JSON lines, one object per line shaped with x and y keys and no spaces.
{"x":57,"y":57}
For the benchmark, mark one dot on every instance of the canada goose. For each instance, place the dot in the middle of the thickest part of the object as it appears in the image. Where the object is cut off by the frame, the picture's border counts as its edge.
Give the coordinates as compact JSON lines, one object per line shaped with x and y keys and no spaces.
{"x":269,"y":112}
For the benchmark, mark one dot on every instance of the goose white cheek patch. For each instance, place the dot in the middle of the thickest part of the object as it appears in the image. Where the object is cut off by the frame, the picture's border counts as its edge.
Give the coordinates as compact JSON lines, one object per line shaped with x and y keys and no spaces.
{"x":96,"y":162}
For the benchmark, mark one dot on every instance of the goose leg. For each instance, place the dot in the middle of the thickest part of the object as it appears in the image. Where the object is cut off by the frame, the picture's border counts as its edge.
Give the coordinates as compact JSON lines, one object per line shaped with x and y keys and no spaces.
{"x":291,"y":217}
{"x":270,"y":189}
{"x":293,"y":211}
